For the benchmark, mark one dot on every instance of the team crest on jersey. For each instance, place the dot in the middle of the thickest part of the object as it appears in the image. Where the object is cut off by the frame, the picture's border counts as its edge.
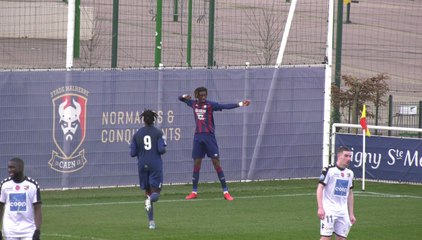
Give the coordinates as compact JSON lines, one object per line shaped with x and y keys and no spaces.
{"x":69,"y":129}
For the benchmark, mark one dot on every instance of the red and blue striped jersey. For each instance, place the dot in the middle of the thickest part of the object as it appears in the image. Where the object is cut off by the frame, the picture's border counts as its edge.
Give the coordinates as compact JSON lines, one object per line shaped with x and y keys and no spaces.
{"x":203,"y":113}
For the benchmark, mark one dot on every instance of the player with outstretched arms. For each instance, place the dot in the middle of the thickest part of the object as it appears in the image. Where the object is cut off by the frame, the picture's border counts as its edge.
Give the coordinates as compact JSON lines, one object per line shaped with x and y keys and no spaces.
{"x":148,"y":144}
{"x":335,"y":197}
{"x":204,"y":141}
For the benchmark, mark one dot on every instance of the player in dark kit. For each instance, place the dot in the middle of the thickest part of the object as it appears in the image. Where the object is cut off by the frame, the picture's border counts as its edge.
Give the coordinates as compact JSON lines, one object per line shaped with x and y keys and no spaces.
{"x":204,"y":141}
{"x":148,"y":144}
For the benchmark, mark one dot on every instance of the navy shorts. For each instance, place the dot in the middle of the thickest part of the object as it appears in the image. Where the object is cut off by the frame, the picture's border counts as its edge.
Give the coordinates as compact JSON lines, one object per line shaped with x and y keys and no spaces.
{"x":150,"y":179}
{"x":205,"y":143}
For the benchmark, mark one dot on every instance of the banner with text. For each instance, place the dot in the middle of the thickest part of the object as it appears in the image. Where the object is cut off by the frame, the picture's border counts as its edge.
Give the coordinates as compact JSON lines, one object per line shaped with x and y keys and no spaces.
{"x":387,"y":158}
{"x":73,"y":129}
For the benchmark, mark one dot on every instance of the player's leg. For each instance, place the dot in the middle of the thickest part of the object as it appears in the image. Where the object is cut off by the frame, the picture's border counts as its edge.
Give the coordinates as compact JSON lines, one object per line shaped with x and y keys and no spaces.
{"x":198,"y":154}
{"x":155,"y":183}
{"x":222,"y":178}
{"x":195,"y":178}
{"x":145,"y":185}
{"x":327,"y":226}
{"x":342,"y":227}
{"x":213,"y":153}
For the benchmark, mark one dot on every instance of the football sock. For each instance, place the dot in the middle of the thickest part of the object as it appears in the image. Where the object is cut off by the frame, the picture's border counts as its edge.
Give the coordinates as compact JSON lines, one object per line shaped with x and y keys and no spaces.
{"x":195,"y":179}
{"x":221,"y":177}
{"x":151,"y":213}
{"x":154,"y":196}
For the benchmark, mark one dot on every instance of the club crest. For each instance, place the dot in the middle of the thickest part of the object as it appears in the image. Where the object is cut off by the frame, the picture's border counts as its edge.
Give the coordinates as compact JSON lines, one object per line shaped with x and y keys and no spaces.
{"x":69,"y":130}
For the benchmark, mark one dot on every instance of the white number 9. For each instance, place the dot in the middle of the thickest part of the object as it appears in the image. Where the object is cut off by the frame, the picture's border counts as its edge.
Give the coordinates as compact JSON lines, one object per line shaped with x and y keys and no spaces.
{"x":147,"y":142}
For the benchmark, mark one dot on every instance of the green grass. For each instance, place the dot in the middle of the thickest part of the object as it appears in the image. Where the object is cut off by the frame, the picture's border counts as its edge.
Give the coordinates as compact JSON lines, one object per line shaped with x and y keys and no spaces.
{"x":261,"y":210}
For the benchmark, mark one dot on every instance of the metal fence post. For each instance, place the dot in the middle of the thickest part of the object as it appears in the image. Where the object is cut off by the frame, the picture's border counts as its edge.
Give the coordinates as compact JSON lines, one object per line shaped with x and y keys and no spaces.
{"x":337,"y":71}
{"x":115,"y":32}
{"x":390,"y":113}
{"x":211,"y":34}
{"x":420,"y":117}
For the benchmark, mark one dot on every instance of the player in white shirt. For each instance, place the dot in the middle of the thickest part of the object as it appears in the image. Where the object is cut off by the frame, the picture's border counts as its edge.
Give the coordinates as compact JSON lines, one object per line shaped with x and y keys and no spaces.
{"x":20,"y":204}
{"x":335,"y":197}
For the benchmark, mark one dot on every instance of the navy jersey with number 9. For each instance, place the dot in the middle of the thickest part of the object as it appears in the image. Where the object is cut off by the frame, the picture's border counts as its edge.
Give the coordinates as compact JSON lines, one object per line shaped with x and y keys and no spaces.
{"x":148,"y":144}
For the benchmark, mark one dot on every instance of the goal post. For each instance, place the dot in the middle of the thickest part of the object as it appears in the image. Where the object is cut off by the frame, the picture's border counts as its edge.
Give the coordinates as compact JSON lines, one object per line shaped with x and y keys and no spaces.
{"x":413,"y":159}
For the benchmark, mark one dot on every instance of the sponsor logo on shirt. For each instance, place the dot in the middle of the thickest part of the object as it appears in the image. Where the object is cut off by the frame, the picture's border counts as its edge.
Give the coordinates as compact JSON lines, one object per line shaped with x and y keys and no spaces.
{"x":341,"y":187}
{"x":17,"y":202}
{"x":200,"y":113}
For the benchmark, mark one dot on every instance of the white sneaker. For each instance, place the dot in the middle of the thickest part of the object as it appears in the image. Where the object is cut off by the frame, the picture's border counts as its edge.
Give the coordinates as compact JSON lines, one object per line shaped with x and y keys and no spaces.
{"x":152,"y":225}
{"x":148,"y":204}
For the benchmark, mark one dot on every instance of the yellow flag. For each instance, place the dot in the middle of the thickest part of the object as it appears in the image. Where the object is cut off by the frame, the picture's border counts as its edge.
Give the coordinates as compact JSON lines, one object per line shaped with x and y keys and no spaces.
{"x":363,"y":122}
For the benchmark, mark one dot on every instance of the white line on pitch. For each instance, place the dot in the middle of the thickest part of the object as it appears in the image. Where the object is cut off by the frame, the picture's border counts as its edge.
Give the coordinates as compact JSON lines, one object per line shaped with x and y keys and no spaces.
{"x":65,"y":236}
{"x":360,"y":194}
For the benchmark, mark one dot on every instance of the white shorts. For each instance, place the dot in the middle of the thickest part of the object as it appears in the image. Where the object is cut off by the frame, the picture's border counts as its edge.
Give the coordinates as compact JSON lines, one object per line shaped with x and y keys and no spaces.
{"x":15,"y":238}
{"x":338,"y":224}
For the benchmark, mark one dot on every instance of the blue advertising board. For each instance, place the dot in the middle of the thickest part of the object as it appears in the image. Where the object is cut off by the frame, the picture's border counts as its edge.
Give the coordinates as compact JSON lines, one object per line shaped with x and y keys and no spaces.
{"x":73,"y":129}
{"x":387,"y":158}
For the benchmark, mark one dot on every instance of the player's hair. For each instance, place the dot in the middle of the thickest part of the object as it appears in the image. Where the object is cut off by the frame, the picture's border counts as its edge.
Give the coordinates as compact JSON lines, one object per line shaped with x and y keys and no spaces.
{"x":198,"y":90}
{"x":343,"y":149}
{"x":149,"y":116}
{"x":18,"y":161}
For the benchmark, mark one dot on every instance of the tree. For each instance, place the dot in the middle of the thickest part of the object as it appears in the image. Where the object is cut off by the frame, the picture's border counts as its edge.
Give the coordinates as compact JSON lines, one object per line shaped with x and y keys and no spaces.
{"x":267,"y":24}
{"x":360,"y":91}
{"x":93,"y":50}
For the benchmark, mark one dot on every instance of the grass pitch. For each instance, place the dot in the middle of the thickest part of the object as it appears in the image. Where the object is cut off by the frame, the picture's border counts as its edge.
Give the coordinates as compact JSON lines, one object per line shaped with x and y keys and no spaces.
{"x":261,"y":210}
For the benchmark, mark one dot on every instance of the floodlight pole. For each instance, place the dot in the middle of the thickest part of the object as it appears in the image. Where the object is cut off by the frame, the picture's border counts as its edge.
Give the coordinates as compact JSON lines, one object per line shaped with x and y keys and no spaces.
{"x":115,"y":33}
{"x":339,"y":40}
{"x":77,"y":35}
{"x":211,"y":34}
{"x":189,"y":41}
{"x":158,"y":32}
{"x":70,"y":34}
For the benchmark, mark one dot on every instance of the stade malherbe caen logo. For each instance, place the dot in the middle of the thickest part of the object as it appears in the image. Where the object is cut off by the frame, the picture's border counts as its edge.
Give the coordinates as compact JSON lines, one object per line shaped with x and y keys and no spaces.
{"x":69,"y":128}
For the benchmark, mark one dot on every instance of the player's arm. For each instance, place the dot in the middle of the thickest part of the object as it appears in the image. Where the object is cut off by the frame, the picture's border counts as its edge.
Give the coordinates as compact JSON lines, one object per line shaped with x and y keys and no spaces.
{"x":37,"y":219}
{"x":350,"y":205}
{"x":319,"y":191}
{"x":162,"y":145}
{"x":1,"y":214}
{"x":133,"y":147}
{"x":244,"y":103}
{"x":36,"y":202}
{"x":218,"y":106}
{"x":186,"y":98}
{"x":1,"y":218}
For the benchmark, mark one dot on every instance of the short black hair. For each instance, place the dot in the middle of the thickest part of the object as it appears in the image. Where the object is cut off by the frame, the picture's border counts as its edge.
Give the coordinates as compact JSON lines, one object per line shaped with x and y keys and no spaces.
{"x":198,"y":90}
{"x":149,"y":116}
{"x":343,"y":149}
{"x":18,"y":162}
